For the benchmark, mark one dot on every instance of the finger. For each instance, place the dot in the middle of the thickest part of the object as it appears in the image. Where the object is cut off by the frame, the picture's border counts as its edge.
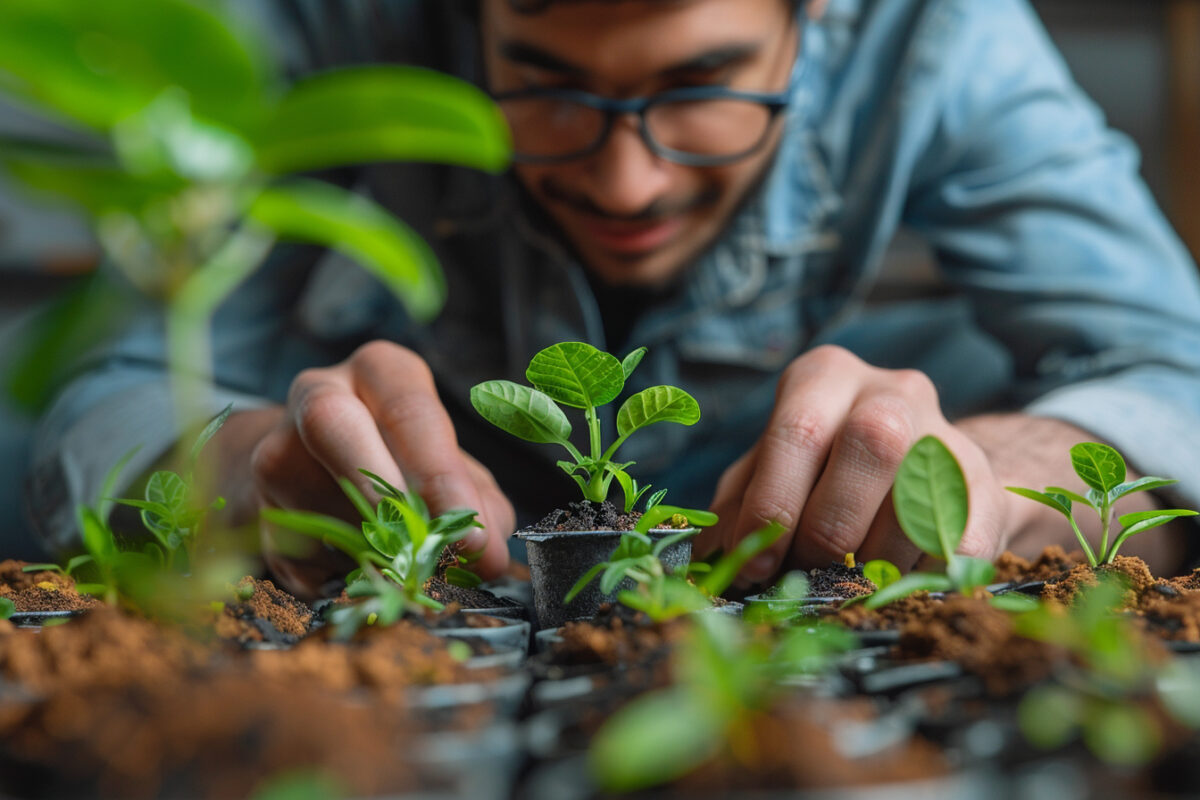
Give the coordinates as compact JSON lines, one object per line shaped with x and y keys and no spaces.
{"x":490,"y":559}
{"x":286,"y":475}
{"x":814,"y":397}
{"x":727,"y":501}
{"x":987,"y":511}
{"x":887,"y":541}
{"x":866,"y":454}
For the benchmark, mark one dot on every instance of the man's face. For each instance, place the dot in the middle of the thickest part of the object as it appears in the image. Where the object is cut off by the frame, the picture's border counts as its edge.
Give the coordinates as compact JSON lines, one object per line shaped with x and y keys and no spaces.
{"x":633,"y":217}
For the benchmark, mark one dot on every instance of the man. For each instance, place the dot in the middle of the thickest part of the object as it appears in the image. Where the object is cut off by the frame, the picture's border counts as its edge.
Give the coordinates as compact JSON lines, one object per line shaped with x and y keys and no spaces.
{"x":718,"y":180}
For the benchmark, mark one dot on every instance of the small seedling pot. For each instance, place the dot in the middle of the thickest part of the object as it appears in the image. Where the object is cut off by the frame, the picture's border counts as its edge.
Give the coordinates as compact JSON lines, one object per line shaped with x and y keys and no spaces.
{"x":558,"y":559}
{"x":505,"y":695}
{"x":30,"y":619}
{"x":512,"y":635}
{"x":481,"y":765}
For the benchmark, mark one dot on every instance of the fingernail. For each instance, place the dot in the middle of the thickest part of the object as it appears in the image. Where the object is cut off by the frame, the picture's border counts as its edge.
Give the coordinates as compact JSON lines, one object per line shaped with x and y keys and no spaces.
{"x":761,"y":568}
{"x":475,"y":541}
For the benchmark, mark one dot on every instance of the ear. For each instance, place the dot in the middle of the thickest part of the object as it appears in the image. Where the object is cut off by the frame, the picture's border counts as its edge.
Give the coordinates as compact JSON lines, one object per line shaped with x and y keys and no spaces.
{"x":816,"y":8}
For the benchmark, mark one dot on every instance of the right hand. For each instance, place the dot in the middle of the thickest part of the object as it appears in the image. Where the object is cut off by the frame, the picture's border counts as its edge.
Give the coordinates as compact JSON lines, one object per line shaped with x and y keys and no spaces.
{"x":378,"y":410}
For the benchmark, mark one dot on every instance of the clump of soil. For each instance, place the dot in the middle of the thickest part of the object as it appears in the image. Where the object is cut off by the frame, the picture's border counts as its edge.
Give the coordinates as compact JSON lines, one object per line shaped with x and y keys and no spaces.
{"x":387,"y":661}
{"x":980,"y":638}
{"x":838,"y":580}
{"x":447,"y":593}
{"x":45,"y":590}
{"x":1170,"y":614}
{"x":797,"y":745}
{"x":616,"y":635}
{"x":1131,"y":569}
{"x":267,"y":613}
{"x":890,"y":617}
{"x":213,"y":736}
{"x":586,"y":516}
{"x":1051,"y":563}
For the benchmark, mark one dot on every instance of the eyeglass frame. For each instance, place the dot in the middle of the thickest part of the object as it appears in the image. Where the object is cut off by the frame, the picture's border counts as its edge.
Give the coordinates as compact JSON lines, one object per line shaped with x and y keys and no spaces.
{"x":774,"y":102}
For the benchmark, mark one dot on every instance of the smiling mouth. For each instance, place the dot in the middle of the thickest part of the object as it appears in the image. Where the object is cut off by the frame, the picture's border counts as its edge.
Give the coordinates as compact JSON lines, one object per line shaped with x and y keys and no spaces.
{"x":628,"y":237}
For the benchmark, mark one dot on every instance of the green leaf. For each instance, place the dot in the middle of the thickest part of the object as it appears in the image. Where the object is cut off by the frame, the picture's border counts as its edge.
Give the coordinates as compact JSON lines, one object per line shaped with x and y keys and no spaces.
{"x":1122,"y":735}
{"x":457,"y":576}
{"x":576,"y":374}
{"x":454,"y":524}
{"x":1126,"y":520}
{"x":104,"y":504}
{"x":168,"y":489}
{"x":382,"y":486}
{"x":77,"y":561}
{"x":627,"y":488}
{"x":319,"y":213}
{"x":98,"y":62}
{"x":1074,"y":497}
{"x":967,"y":573}
{"x":584,"y":580}
{"x":725,"y":570}
{"x":666,"y":541}
{"x":1014,"y":602}
{"x":357,"y":499}
{"x":1049,"y":716}
{"x":331,"y":530}
{"x":364,"y":114}
{"x":655,"y":499}
{"x":655,"y":739}
{"x":930,"y":496}
{"x":881,"y":572}
{"x":657,"y":404}
{"x":524,"y":412}
{"x":97,"y":188}
{"x":653,"y":517}
{"x":383,"y":537}
{"x":210,"y":430}
{"x":97,"y":536}
{"x":1098,"y":465}
{"x":909,"y":584}
{"x":631,"y":361}
{"x":1142,"y":521}
{"x":1145,"y":484}
{"x":1059,"y":502}
{"x":42,"y":567}
{"x":7,"y":608}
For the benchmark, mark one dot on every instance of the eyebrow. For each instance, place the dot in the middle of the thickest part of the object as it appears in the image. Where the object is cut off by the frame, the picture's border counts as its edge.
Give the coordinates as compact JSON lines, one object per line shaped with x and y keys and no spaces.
{"x":716,"y":58}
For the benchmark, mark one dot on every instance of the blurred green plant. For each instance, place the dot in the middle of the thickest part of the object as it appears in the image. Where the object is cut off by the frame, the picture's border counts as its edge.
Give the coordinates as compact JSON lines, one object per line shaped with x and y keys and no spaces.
{"x":185,"y":147}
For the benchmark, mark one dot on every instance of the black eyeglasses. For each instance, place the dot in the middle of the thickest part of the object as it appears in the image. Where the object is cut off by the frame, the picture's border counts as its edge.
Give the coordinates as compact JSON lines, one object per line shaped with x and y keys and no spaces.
{"x":699,"y":126}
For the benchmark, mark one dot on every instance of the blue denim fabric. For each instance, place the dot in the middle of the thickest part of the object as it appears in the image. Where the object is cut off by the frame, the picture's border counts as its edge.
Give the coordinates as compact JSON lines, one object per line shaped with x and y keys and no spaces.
{"x":1059,"y":287}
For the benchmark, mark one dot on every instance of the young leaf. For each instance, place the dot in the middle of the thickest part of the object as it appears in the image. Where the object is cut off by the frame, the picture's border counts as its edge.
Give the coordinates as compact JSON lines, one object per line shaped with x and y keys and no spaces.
{"x":1059,"y":502}
{"x":7,"y":608}
{"x":967,"y":573}
{"x":97,"y":537}
{"x":42,"y":567}
{"x":104,"y":504}
{"x":627,"y":488}
{"x":383,"y":487}
{"x":1014,"y":602}
{"x":1049,"y":716}
{"x":524,"y":412}
{"x":576,"y":374}
{"x":1128,"y":520}
{"x":384,"y":537}
{"x":649,"y":520}
{"x":1142,"y":521}
{"x":930,"y":496}
{"x":909,"y":584}
{"x":1074,"y":497}
{"x":1145,"y":484}
{"x":655,"y":499}
{"x":78,"y":561}
{"x":725,"y":570}
{"x":631,"y":361}
{"x":167,"y":489}
{"x":457,"y":576}
{"x":210,"y":430}
{"x":881,"y":572}
{"x":1122,"y":735}
{"x":657,"y":404}
{"x":331,"y":530}
{"x":1098,"y":465}
{"x":357,"y":500}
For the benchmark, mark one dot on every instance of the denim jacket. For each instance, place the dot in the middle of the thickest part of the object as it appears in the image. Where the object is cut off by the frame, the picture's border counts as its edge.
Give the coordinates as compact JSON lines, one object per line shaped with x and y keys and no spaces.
{"x":1058,"y":287}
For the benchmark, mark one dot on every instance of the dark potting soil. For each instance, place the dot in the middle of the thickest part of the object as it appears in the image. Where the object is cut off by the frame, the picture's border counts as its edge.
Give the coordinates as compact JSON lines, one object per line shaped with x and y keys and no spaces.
{"x":836,"y":580}
{"x":41,"y":591}
{"x":798,"y":745}
{"x":1053,"y":562}
{"x":447,"y":593}
{"x":268,"y":614}
{"x":586,"y":516}
{"x":616,"y":635}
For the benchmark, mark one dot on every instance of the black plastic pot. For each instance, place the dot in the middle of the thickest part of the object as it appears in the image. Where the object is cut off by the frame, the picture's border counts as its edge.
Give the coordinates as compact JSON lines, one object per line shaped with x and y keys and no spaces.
{"x":39,"y":618}
{"x":513,"y":635}
{"x":557,"y":560}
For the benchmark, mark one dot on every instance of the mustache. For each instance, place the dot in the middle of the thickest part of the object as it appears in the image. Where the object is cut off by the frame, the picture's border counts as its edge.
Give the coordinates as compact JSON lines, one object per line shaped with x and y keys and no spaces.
{"x":664,"y":207}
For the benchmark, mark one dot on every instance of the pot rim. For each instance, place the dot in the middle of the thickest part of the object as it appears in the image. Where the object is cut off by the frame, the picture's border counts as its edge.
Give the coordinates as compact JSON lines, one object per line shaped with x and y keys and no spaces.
{"x":541,"y":536}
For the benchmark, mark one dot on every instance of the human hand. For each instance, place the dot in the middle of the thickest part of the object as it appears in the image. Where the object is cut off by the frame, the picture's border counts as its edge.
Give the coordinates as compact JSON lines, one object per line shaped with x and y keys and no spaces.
{"x":825,"y":464}
{"x":378,"y":410}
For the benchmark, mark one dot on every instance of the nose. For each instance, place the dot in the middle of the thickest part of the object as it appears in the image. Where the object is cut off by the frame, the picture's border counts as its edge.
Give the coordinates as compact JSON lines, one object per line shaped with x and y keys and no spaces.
{"x":624,"y":176}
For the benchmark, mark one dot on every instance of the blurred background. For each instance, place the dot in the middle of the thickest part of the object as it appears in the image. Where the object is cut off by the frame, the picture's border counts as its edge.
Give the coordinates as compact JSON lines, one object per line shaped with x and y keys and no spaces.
{"x":1139,"y":60}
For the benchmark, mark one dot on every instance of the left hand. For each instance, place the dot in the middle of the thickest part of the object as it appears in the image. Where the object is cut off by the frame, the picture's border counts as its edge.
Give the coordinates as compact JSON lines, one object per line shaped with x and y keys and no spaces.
{"x":825,"y":464}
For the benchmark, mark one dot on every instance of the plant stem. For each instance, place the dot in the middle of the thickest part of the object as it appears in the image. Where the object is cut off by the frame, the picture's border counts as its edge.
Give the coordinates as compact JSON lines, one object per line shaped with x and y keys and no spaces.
{"x":1105,"y":524}
{"x":1087,"y":548}
{"x":593,"y":423}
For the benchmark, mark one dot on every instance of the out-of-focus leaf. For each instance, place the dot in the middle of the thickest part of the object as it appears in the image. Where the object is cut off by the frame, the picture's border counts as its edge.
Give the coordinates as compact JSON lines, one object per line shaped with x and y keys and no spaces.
{"x":99,"y":61}
{"x":94,"y":185}
{"x":316,"y":212}
{"x":382,"y":113}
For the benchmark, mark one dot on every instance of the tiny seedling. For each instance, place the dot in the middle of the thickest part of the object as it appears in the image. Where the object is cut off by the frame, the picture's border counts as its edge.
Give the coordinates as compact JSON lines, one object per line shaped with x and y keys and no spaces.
{"x":725,"y":676}
{"x":931,"y":502}
{"x":1102,"y":469}
{"x":578,"y":375}
{"x":397,"y":538}
{"x":170,"y":511}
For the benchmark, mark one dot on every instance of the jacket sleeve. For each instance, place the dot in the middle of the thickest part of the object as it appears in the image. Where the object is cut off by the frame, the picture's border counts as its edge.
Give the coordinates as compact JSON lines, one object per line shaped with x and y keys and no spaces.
{"x":1036,"y":210}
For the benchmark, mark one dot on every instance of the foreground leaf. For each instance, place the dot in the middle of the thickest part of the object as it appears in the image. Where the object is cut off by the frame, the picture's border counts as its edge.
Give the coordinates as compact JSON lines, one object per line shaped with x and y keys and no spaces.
{"x":911,"y":583}
{"x":1098,"y":465}
{"x":930,"y":496}
{"x":576,"y":374}
{"x":524,"y":412}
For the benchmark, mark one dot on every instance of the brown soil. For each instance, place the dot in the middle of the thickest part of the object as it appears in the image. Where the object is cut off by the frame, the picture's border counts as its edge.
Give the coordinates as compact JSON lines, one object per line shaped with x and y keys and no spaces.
{"x":1053,"y":562}
{"x":386,"y":661}
{"x":41,"y":591}
{"x":892,"y":616}
{"x":1130,"y":568}
{"x":447,"y":593}
{"x":838,"y":580}
{"x":616,"y":635}
{"x":980,"y":638}
{"x":796,"y":746}
{"x":1175,"y":617}
{"x":269,"y":614}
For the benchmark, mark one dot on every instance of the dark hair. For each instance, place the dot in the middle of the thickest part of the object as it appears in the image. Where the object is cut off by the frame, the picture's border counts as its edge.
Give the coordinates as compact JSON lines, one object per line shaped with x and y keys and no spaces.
{"x":536,"y":6}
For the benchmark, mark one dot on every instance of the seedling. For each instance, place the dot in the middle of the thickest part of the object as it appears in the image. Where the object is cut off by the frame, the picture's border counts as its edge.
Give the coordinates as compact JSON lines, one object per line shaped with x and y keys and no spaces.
{"x":931,"y":502}
{"x":659,"y":594}
{"x":724,"y":678}
{"x":578,"y":375}
{"x":1102,"y":469}
{"x":398,"y":539}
